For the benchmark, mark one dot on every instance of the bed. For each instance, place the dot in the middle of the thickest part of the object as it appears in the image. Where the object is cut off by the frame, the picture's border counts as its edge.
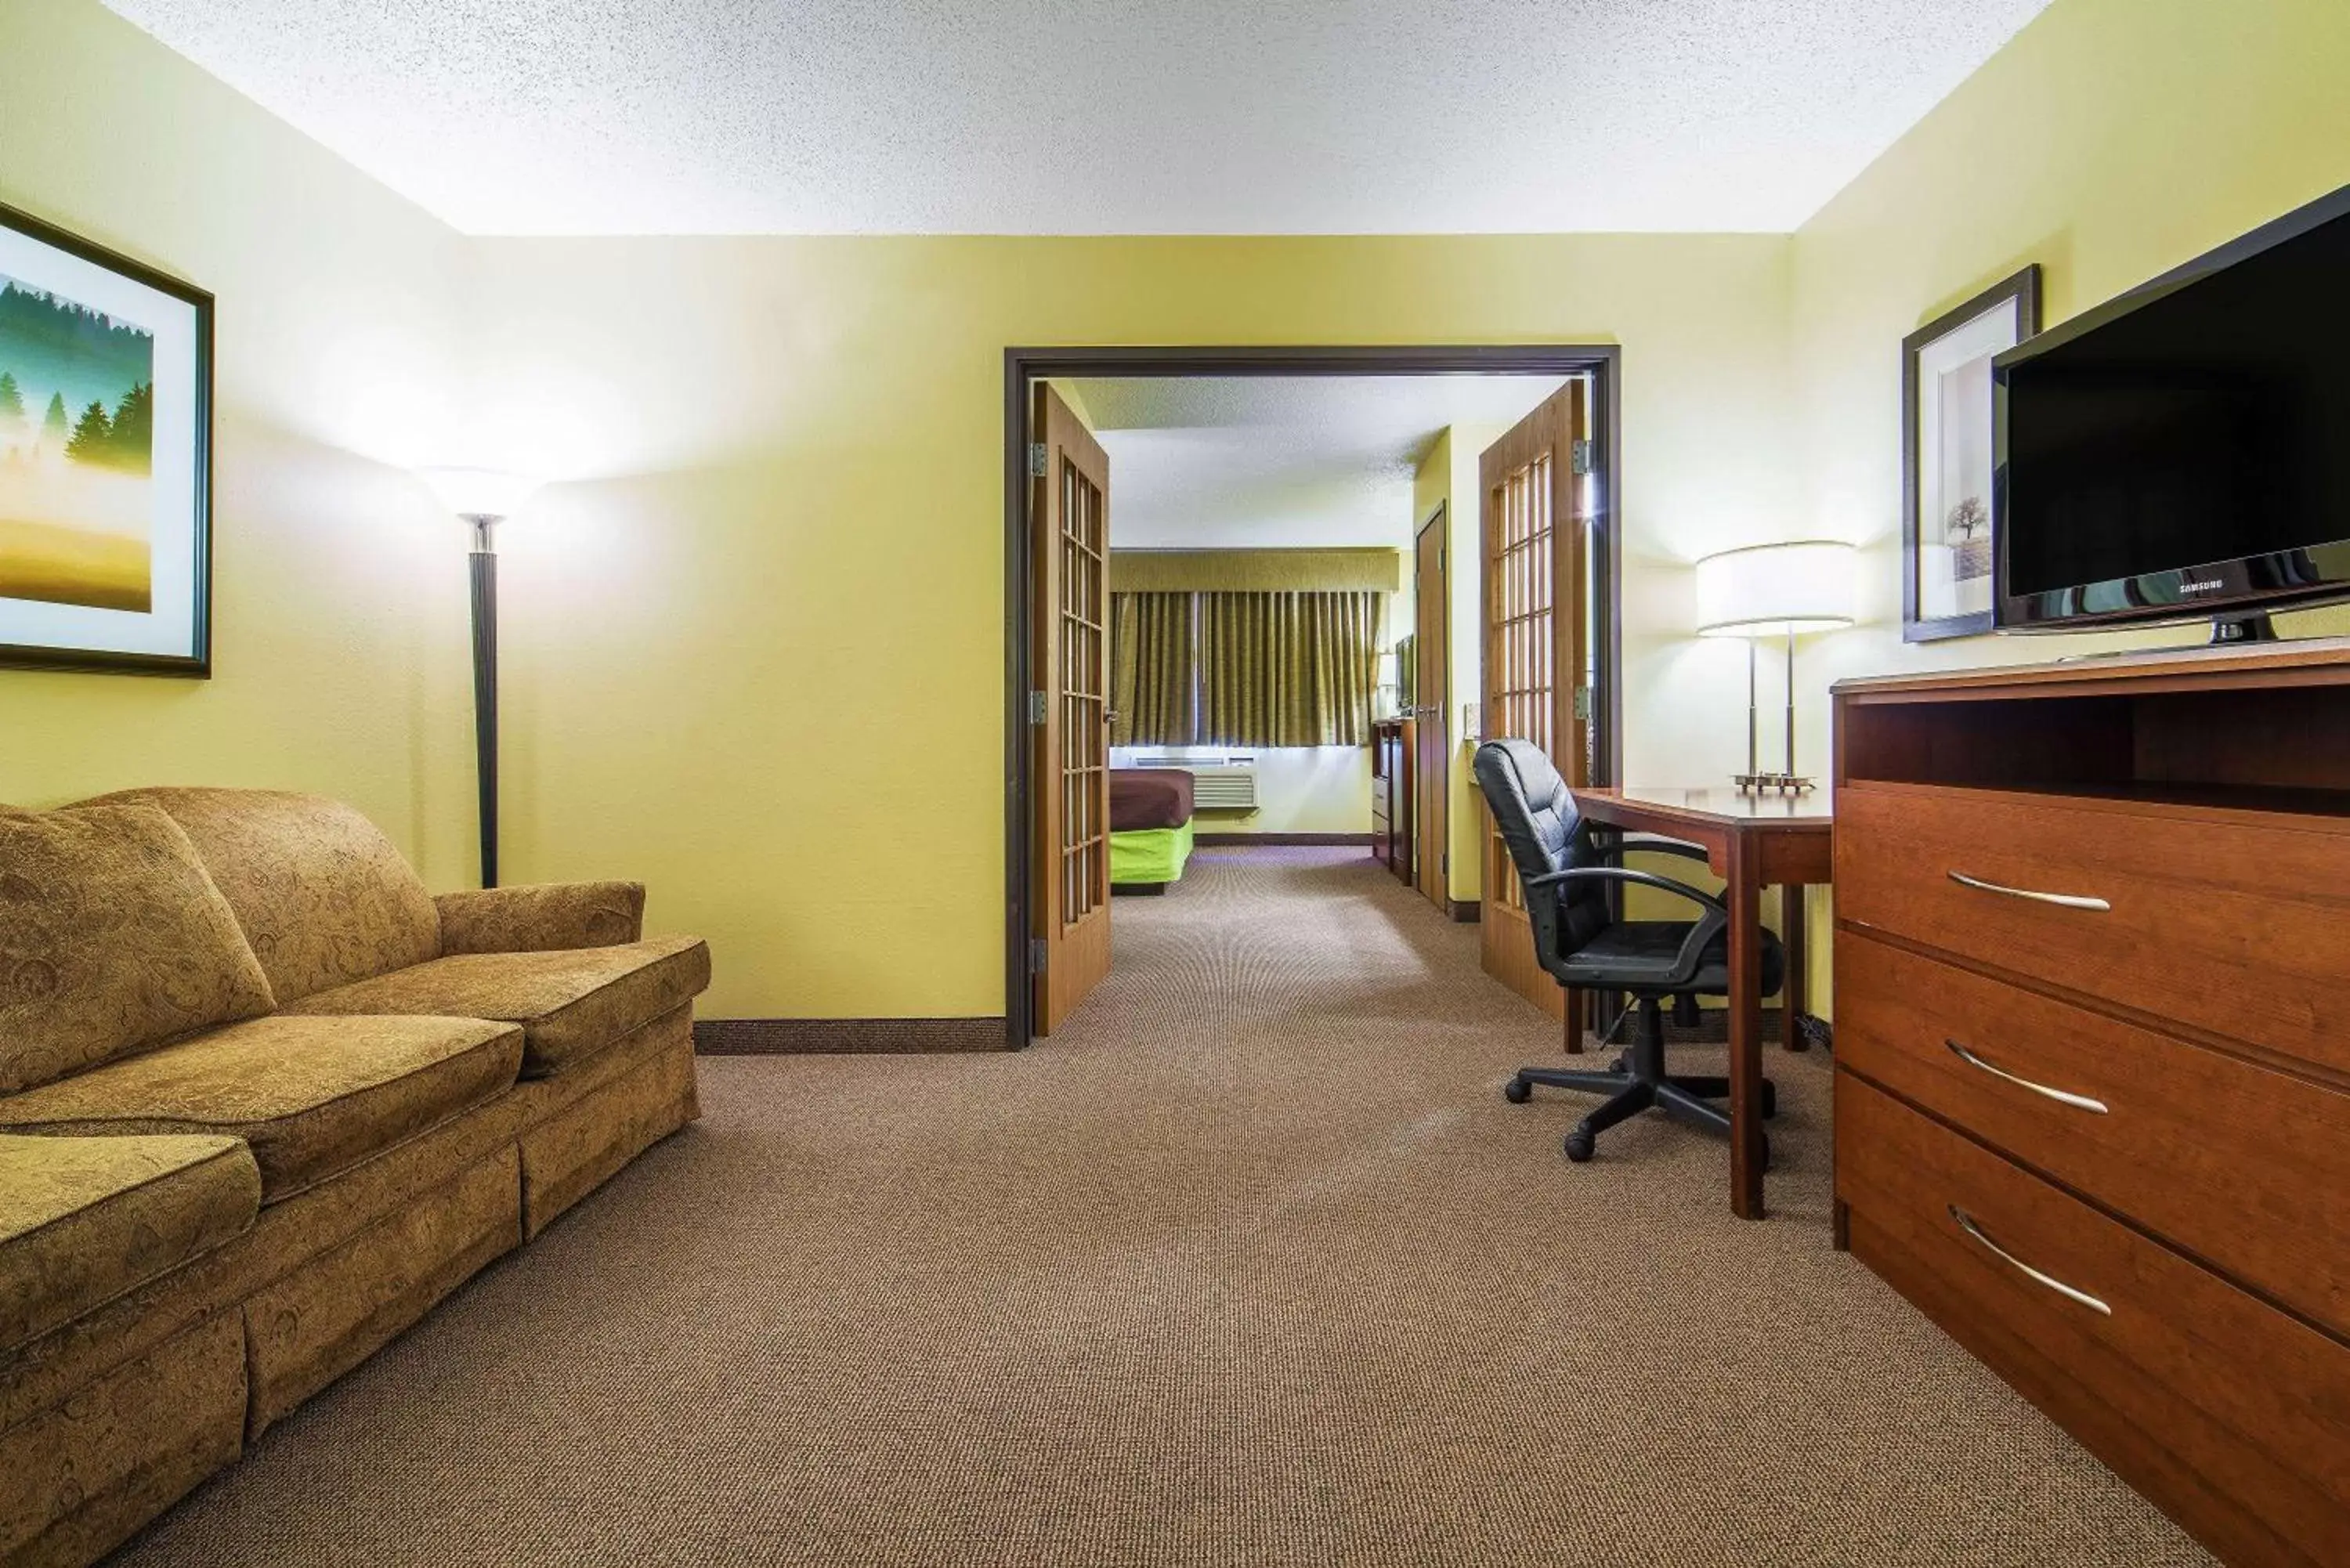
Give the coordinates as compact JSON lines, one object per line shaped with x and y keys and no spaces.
{"x":1150,"y":827}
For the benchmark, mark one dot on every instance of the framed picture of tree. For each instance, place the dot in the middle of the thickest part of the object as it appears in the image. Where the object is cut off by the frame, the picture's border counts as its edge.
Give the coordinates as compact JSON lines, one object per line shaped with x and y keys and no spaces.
{"x":105,"y":459}
{"x":1946,"y":458}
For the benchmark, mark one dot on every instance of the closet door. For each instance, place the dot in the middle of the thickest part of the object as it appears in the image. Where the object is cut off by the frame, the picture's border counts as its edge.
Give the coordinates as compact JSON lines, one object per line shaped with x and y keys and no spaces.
{"x":1070,"y":712}
{"x":1535,"y":635}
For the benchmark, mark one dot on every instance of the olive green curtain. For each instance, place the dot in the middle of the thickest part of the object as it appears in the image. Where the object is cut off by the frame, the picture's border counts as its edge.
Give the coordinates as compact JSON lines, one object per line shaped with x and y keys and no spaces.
{"x":1287,"y":669}
{"x":1152,"y":669}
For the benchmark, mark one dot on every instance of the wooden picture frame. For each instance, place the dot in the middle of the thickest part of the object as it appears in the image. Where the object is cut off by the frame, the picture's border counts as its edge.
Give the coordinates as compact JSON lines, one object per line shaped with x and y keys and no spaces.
{"x":106,"y":409}
{"x":1947,"y":524}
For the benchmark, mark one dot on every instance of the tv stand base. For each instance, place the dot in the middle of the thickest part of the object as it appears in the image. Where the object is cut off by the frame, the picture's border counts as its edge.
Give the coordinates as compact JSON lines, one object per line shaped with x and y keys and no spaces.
{"x":2253,"y":627}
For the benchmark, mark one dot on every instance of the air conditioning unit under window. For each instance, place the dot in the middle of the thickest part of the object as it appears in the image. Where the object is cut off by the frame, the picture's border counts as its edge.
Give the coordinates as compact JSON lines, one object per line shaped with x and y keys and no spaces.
{"x":1225,"y":781}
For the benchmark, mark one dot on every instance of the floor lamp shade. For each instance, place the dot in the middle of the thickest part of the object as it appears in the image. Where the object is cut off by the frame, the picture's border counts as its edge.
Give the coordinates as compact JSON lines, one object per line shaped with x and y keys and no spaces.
{"x":478,"y":492}
{"x":1774,"y":590}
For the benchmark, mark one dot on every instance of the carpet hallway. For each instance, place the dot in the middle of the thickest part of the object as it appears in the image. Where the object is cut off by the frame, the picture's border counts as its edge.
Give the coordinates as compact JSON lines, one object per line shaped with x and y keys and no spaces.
{"x":1251,"y":1265}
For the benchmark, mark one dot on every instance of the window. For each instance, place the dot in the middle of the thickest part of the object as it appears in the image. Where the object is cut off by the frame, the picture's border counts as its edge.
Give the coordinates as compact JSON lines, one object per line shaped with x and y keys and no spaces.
{"x":1244,"y":669}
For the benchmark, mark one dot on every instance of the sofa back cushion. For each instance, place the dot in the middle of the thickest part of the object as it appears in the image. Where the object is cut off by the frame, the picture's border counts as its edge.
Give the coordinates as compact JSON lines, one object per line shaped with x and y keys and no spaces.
{"x":323,"y":897}
{"x":112,"y":937}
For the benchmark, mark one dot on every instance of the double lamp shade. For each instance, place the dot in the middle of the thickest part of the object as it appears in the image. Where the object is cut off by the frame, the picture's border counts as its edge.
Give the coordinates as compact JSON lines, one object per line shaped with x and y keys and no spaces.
{"x":1776,"y":590}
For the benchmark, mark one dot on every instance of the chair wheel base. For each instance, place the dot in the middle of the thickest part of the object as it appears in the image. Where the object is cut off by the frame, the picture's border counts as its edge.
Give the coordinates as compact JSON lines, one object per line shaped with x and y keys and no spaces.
{"x":1517,"y":1091}
{"x":1580,"y":1144}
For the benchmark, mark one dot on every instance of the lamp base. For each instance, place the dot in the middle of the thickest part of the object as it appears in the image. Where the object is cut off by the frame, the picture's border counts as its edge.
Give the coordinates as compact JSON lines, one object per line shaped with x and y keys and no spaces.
{"x":1772,"y":784}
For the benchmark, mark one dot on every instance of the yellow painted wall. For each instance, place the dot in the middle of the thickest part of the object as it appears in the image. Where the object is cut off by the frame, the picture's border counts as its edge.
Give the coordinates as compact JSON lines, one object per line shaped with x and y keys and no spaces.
{"x":2110,"y":140}
{"x":755,"y":644}
{"x":1447,"y":475}
{"x":340,"y":622}
{"x":1431,"y":487}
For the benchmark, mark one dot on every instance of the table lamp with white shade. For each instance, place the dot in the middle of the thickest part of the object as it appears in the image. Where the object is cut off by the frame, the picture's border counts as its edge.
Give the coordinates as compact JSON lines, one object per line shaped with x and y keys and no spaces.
{"x":484,"y":497}
{"x":1774,"y":590}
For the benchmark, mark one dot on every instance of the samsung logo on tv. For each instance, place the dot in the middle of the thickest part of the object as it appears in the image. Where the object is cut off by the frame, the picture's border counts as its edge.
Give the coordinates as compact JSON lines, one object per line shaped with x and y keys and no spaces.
{"x":2188,"y":584}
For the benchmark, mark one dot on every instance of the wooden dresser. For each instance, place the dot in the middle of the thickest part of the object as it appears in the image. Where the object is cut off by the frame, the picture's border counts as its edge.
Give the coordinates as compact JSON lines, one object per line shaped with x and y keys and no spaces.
{"x":2093,"y":1057}
{"x":1392,"y":740}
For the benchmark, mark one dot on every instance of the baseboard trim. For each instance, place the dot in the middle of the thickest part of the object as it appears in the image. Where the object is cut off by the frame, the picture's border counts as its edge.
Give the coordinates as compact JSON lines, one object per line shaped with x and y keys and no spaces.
{"x":1289,"y":840}
{"x":1467,"y":911}
{"x":824,"y":1036}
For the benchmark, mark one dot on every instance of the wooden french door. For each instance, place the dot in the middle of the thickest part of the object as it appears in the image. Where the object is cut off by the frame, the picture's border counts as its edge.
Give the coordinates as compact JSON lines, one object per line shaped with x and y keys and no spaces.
{"x":1537,"y":630}
{"x":1431,"y":707}
{"x":1070,"y":712}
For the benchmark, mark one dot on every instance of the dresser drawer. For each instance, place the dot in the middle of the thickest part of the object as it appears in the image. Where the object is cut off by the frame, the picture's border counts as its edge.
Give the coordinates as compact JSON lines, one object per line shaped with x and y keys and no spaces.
{"x":2239,"y":929}
{"x":2229,"y":1414}
{"x":2247,"y":1168}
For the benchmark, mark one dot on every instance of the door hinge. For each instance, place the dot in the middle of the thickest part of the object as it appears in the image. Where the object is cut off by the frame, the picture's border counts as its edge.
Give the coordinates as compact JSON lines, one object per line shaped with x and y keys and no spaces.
{"x":1582,"y":457}
{"x":1036,"y":460}
{"x":1583,"y":703}
{"x":1035,"y":955}
{"x":1038,"y":707}
{"x":1444,"y":863}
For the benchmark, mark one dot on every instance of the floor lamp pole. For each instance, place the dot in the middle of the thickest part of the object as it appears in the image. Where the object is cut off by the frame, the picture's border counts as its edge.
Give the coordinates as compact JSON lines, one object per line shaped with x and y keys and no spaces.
{"x":484,"y":563}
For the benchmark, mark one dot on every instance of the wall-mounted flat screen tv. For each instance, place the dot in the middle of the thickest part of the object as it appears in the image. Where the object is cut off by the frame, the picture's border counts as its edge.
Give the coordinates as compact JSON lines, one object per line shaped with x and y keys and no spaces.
{"x":2184,"y":450}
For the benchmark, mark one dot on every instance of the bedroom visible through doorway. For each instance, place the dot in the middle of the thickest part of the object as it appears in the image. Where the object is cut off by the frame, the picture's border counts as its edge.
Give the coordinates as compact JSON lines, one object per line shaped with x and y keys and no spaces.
{"x":1255,"y":610}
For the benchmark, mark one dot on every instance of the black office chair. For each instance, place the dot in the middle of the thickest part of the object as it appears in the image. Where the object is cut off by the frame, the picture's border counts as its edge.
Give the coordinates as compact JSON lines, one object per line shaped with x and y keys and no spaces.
{"x":1567,"y":867}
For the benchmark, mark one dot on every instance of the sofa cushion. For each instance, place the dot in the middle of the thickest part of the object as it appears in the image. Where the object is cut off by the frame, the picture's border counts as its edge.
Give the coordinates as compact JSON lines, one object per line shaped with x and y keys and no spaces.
{"x":313,"y":1096}
{"x":112,"y":937}
{"x":570,"y":1003}
{"x":323,"y":895}
{"x":83,"y":1220}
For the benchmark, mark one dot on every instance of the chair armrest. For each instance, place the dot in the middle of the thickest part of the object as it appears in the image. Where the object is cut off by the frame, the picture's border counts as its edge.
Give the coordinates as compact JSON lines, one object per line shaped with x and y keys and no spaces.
{"x":1666,"y":847}
{"x":541,"y":918}
{"x":1702,"y":931}
{"x":1620,"y":874}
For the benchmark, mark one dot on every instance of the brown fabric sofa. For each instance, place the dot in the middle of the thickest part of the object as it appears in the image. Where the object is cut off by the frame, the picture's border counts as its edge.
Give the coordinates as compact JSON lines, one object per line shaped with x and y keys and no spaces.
{"x":264,"y":1101}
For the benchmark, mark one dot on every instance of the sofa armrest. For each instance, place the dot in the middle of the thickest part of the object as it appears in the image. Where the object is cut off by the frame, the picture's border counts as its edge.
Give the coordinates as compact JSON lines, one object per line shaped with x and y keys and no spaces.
{"x":541,"y":918}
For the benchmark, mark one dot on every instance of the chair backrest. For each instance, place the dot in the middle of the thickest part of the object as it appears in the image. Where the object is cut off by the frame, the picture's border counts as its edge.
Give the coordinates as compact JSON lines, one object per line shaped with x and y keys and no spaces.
{"x":1544,"y":831}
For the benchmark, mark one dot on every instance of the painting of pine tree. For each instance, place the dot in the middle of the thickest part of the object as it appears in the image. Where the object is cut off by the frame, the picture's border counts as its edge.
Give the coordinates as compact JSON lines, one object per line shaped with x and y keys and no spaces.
{"x":76,"y":508}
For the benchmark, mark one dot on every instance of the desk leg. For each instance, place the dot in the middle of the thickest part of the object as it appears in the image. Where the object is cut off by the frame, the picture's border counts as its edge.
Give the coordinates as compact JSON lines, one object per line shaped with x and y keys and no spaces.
{"x":1743,"y":894}
{"x":1794,"y":999}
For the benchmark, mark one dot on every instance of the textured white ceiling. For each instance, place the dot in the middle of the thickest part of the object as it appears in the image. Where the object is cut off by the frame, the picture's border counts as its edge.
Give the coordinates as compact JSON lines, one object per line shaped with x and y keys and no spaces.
{"x":1259,"y":462}
{"x":1108,"y":117}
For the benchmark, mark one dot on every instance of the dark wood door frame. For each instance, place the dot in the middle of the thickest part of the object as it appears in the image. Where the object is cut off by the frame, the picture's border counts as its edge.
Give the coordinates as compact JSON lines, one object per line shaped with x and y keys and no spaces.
{"x":1434,"y":884}
{"x":1023,"y":368}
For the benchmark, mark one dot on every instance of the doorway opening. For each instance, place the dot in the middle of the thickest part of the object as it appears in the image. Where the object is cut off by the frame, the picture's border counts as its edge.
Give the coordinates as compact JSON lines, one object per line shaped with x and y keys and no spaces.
{"x":1509,"y":614}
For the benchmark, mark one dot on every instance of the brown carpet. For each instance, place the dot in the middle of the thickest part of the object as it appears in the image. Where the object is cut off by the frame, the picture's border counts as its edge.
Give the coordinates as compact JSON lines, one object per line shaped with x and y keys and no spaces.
{"x":1250,"y":1265}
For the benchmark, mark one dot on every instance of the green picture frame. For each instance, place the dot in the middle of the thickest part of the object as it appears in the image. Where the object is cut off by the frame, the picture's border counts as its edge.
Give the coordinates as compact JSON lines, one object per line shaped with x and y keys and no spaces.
{"x":106,"y":415}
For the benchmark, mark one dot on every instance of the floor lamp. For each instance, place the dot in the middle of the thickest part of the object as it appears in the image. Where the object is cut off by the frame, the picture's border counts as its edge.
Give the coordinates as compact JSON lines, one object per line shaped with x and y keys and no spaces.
{"x":484,"y":497}
{"x":1774,"y":590}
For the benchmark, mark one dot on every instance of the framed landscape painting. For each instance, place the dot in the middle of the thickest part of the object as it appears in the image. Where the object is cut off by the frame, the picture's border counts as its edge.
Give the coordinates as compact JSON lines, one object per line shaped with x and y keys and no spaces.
{"x":1946,"y":458}
{"x":105,"y":459}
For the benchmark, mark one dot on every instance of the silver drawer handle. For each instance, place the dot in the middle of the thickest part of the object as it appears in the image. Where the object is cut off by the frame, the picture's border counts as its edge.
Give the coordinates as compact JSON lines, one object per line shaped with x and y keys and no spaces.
{"x":1967,"y":1223}
{"x":2078,"y":1102}
{"x":2064,"y":900}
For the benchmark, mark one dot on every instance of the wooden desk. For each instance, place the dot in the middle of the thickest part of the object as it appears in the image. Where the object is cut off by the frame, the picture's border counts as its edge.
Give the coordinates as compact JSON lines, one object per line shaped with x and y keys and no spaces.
{"x":1750,"y":842}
